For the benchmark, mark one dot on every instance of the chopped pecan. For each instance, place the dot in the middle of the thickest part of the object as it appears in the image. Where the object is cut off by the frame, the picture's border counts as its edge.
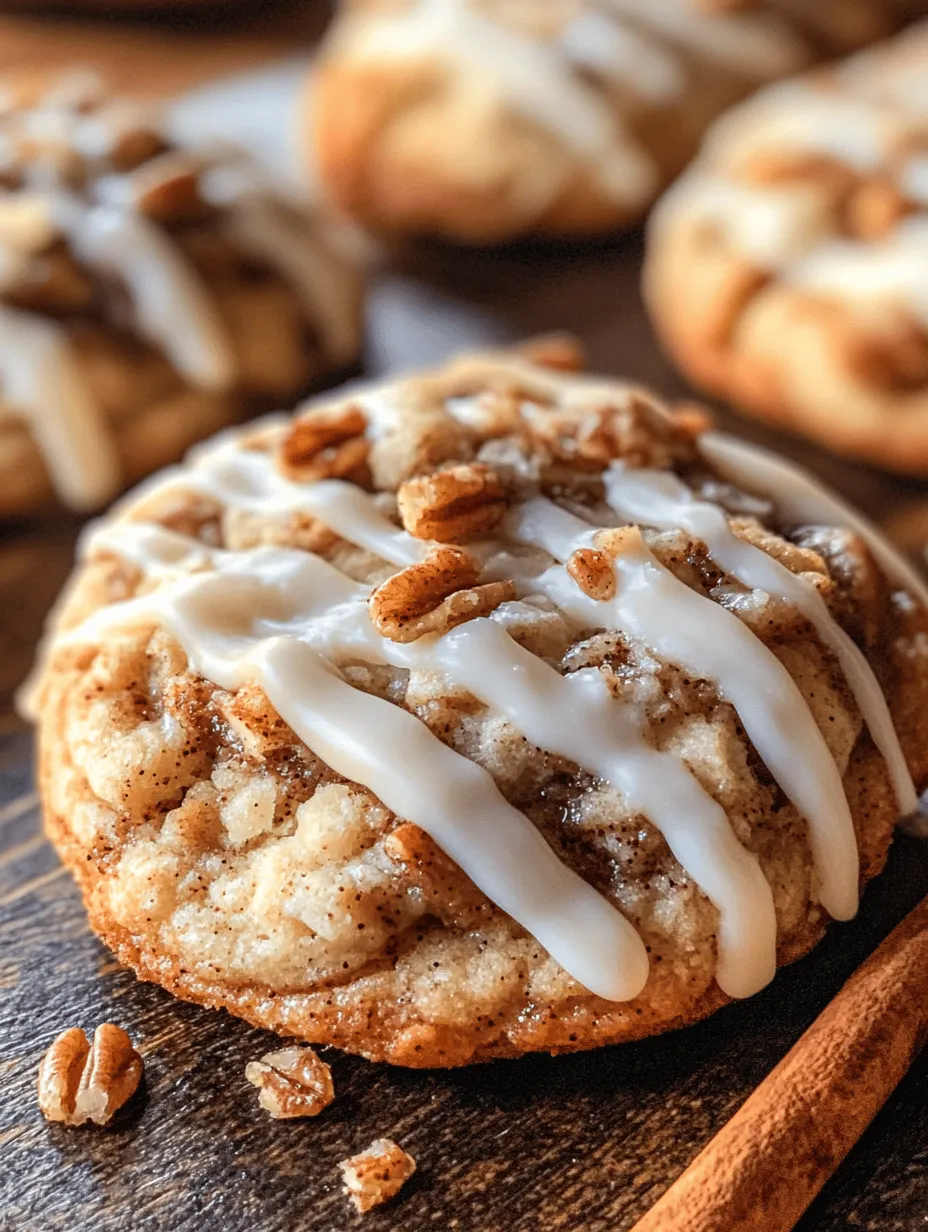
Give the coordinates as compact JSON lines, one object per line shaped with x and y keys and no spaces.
{"x":167,"y":189}
{"x":563,"y":352}
{"x":134,"y":147}
{"x":592,"y":570}
{"x":80,"y":1082}
{"x":434,"y":596}
{"x":293,"y":1082}
{"x":452,"y":505}
{"x":377,"y":1174}
{"x":325,"y":443}
{"x":616,"y":541}
{"x":894,"y":357}
{"x":874,"y":208}
{"x":771,"y":167}
{"x":691,"y":420}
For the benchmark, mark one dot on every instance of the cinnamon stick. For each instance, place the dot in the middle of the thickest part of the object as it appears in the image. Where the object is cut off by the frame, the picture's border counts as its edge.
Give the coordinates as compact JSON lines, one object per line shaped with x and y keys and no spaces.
{"x":761,"y":1171}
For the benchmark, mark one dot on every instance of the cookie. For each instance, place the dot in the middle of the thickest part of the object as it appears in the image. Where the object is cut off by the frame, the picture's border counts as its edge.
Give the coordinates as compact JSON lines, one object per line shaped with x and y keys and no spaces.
{"x":148,"y":295}
{"x":785,"y":270}
{"x":493,"y":710}
{"x":487,"y":120}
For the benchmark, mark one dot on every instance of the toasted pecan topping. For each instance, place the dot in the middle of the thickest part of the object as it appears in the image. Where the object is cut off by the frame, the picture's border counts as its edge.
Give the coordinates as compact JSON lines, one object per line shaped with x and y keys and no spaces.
{"x":79,"y":1081}
{"x":377,"y":1174}
{"x":894,"y":358}
{"x":452,"y":505}
{"x":168,"y":189}
{"x":615,"y":541}
{"x":691,"y":419}
{"x":874,"y":208}
{"x":592,"y":570}
{"x":563,"y":352}
{"x":325,"y":443}
{"x":434,"y":596}
{"x":292,"y":1082}
{"x":766,"y":168}
{"x":134,"y":147}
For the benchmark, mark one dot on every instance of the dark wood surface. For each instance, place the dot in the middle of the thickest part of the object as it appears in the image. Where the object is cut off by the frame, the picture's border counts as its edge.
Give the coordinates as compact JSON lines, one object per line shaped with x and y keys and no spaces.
{"x":584,"y":1142}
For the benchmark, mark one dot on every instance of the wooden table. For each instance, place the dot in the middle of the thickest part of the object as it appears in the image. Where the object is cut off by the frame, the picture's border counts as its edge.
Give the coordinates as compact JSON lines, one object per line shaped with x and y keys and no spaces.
{"x":576,"y":1143}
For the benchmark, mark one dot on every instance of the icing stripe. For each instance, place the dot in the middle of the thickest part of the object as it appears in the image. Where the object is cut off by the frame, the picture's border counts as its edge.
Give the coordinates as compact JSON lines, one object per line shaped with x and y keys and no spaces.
{"x":654,"y":498}
{"x":40,"y":380}
{"x":699,"y":635}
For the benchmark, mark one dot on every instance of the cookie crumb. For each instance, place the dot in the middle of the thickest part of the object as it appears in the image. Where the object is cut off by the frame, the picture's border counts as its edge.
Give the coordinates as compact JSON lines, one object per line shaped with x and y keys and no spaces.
{"x":81,"y":1081}
{"x":293,"y":1082}
{"x":377,"y":1174}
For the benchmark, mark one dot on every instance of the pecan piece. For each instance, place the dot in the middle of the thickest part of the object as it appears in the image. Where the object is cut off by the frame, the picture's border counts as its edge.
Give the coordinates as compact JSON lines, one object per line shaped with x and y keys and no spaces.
{"x":452,"y":505}
{"x":325,"y":443}
{"x":434,"y":596}
{"x":377,"y":1174}
{"x":874,"y":208}
{"x":293,"y":1082}
{"x":563,"y":352}
{"x":592,"y":570}
{"x":79,"y":1081}
{"x":691,"y":420}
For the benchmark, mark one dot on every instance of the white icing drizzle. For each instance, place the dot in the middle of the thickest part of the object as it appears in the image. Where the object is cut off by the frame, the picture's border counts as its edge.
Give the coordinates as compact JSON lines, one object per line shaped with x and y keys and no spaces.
{"x":287,"y":619}
{"x":706,"y":639}
{"x":172,"y":306}
{"x":39,"y":380}
{"x":801,"y":499}
{"x":868,"y":116}
{"x":268,"y":615}
{"x":261,"y":227}
{"x":640,"y":53}
{"x":659,"y":499}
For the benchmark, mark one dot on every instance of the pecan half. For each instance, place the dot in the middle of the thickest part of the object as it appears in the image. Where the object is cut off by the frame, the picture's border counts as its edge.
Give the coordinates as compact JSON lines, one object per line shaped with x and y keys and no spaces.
{"x":592,"y":570}
{"x":377,"y":1174}
{"x":79,"y":1081}
{"x":434,"y":596}
{"x":325,"y":443}
{"x":452,"y":505}
{"x":293,"y":1082}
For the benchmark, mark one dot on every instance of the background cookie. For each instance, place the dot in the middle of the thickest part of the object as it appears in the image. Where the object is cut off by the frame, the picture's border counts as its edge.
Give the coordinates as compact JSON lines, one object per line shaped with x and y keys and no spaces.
{"x":441,"y":801}
{"x":786,"y":269}
{"x":483,"y":120}
{"x":148,"y":295}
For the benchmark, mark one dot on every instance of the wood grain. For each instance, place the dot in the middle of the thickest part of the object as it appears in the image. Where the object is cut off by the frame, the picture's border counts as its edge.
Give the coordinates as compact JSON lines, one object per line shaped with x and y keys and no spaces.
{"x":575,"y":1144}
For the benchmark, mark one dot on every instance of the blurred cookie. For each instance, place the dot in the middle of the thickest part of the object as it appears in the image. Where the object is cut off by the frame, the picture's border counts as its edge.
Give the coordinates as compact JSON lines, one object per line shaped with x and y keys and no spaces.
{"x":485,"y":120}
{"x":148,"y":295}
{"x":787,"y":269}
{"x":492,"y":710}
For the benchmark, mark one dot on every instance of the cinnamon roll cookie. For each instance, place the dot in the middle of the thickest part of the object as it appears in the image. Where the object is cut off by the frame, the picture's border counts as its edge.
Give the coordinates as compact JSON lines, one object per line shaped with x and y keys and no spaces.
{"x":494,"y":710}
{"x":787,"y":268}
{"x":148,"y":295}
{"x":485,"y":120}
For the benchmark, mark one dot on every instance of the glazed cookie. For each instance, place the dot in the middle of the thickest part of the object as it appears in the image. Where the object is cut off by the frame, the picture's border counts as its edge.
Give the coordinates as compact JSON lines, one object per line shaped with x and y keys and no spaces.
{"x":485,"y":120}
{"x":494,"y":710}
{"x":148,"y":295}
{"x":786,"y":269}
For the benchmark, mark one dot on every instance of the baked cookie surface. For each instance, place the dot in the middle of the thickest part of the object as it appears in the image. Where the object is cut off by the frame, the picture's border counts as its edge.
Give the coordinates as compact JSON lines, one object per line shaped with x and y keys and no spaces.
{"x":786,"y":269}
{"x":486,"y":120}
{"x":494,"y":710}
{"x":148,"y":295}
